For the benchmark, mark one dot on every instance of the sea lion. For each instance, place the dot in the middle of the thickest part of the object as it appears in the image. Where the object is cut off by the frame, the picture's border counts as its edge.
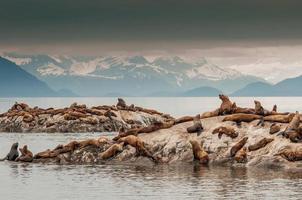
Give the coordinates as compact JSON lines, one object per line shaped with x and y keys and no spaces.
{"x":241,"y":118}
{"x":280,"y":118}
{"x":210,"y":114}
{"x":13,"y":154}
{"x":226,"y":105}
{"x":110,"y":114}
{"x":137,"y":143}
{"x":27,"y":118}
{"x":260,"y":144}
{"x":238,"y":146}
{"x":93,"y":142}
{"x":121,"y":103}
{"x":199,"y":153}
{"x":26,"y":155}
{"x":228,"y":131}
{"x":196,"y":127}
{"x":123,"y":133}
{"x":275,"y":128}
{"x":184,"y":119}
{"x":259,"y":110}
{"x":274,"y":108}
{"x":294,"y":123}
{"x":241,"y":155}
{"x":236,"y":109}
{"x":294,"y":136}
{"x":290,"y":154}
{"x":111,"y":151}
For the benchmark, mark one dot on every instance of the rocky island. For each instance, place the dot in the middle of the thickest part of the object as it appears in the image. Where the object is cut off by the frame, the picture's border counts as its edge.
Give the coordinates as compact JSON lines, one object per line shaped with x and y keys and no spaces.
{"x":229,"y":135}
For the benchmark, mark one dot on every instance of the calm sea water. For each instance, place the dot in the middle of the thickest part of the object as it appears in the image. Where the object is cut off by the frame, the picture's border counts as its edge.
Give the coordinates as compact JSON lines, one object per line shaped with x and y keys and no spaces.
{"x":186,"y":181}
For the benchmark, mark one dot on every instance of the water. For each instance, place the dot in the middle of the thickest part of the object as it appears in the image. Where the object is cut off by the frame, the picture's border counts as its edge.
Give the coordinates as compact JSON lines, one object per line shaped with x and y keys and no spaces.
{"x":185,"y":181}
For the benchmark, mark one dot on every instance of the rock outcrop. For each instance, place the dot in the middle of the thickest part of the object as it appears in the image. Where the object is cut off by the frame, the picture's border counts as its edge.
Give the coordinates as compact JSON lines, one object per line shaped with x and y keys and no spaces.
{"x":78,"y":118}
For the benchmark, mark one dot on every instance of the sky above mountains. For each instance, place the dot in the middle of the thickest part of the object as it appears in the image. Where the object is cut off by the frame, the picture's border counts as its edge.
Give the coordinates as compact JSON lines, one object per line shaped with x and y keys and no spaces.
{"x":251,"y":36}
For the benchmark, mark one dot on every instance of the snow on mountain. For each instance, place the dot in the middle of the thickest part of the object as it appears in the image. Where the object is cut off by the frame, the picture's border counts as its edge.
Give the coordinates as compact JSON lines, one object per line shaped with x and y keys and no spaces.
{"x":51,"y":69}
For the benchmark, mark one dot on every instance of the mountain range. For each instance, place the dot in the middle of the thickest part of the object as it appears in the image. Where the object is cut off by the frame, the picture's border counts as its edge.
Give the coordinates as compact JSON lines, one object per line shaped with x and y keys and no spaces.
{"x":287,"y":87}
{"x":131,"y":75}
{"x":15,"y":82}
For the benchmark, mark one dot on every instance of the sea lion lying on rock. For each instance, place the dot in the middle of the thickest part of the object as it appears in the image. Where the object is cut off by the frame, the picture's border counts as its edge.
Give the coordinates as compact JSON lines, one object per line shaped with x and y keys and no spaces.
{"x":199,"y":153}
{"x":241,"y":155}
{"x":279,"y":118}
{"x":241,"y":118}
{"x":137,"y":143}
{"x":228,"y":131}
{"x":26,"y":155}
{"x":93,"y":142}
{"x":236,"y":109}
{"x":184,"y":119}
{"x":210,"y":114}
{"x":260,"y":144}
{"x":196,"y":127}
{"x":226,"y":105}
{"x":13,"y":154}
{"x":290,"y":154}
{"x":111,"y":151}
{"x":274,"y":128}
{"x":238,"y":146}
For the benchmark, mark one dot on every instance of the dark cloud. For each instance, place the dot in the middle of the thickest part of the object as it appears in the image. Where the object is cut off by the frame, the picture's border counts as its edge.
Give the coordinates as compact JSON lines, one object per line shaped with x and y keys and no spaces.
{"x":147,"y":22}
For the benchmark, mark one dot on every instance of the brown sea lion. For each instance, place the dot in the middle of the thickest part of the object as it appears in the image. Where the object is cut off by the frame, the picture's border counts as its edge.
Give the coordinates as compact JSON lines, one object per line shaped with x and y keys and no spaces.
{"x":238,"y":146}
{"x":290,"y":154}
{"x":294,"y":136}
{"x":123,"y":133}
{"x":93,"y":142}
{"x":13,"y":153}
{"x":259,"y":110}
{"x":236,"y":109}
{"x":210,"y":114}
{"x":184,"y":119}
{"x":27,"y":118}
{"x":260,"y":144}
{"x":294,"y":123}
{"x":196,"y":127}
{"x":228,"y":131}
{"x":137,"y":143}
{"x":241,"y":117}
{"x":279,"y":118}
{"x":199,"y":153}
{"x":241,"y":155}
{"x":111,"y":151}
{"x":26,"y":155}
{"x":110,"y":114}
{"x":226,"y":105}
{"x":275,"y":128}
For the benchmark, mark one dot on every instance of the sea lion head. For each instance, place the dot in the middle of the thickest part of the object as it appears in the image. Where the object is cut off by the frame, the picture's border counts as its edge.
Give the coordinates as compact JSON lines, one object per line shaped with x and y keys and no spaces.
{"x":15,"y":145}
{"x":223,"y":97}
{"x":257,"y":103}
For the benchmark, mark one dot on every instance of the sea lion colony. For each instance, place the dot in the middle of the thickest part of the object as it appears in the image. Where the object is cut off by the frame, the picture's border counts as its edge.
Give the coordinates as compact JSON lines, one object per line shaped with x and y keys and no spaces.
{"x":78,"y":118}
{"x":128,"y":144}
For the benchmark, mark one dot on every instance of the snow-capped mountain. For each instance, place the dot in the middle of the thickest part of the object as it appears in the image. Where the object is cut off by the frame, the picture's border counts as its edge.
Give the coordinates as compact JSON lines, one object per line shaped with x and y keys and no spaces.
{"x":129,"y":75}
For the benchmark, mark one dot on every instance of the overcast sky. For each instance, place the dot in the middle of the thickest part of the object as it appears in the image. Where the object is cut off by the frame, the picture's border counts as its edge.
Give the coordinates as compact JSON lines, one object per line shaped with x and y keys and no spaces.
{"x":236,"y":30}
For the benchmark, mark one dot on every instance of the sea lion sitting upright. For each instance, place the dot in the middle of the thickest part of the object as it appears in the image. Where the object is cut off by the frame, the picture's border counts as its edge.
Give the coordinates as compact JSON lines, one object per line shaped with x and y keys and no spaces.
{"x":121,"y":103}
{"x":13,"y":154}
{"x":26,"y":155}
{"x":259,"y":110}
{"x":226,"y":105}
{"x":196,"y":127}
{"x":274,"y":109}
{"x":292,"y":126}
